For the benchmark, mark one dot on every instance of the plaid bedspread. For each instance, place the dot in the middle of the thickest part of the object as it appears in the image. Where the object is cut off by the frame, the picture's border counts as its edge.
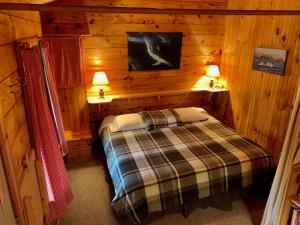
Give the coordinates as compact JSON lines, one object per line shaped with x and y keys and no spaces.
{"x":160,"y":119}
{"x":163,"y":169}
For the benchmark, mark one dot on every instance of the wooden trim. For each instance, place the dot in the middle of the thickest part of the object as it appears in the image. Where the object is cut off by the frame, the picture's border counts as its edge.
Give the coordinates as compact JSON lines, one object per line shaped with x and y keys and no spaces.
{"x":291,"y":190}
{"x":9,"y":170}
{"x":131,"y":10}
{"x":42,"y":185}
{"x":19,"y":17}
{"x":93,"y":97}
{"x":30,"y":210}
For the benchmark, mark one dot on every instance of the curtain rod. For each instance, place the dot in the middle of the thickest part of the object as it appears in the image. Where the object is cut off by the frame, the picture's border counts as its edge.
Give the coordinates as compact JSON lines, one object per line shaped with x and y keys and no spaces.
{"x":132,"y":10}
{"x":37,"y":37}
{"x":65,"y":35}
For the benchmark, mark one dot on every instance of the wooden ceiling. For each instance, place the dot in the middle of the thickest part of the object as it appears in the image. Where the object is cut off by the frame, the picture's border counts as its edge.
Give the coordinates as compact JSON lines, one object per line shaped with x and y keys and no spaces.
{"x":27,"y":1}
{"x":183,"y":7}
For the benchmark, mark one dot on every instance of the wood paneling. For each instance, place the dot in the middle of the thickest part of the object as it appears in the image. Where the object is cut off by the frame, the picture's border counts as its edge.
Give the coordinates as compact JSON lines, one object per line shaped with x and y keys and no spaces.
{"x":73,"y":106}
{"x":105,"y":49}
{"x":12,"y":105}
{"x":264,"y":5}
{"x":14,"y":134}
{"x":7,"y":216}
{"x":82,"y":8}
{"x":30,"y":193}
{"x":261,"y":102}
{"x":214,"y":103}
{"x":27,"y":1}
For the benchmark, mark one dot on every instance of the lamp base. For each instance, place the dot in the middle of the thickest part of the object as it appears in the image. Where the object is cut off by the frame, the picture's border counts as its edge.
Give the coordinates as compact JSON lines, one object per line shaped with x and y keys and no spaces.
{"x":101,"y":94}
{"x":211,"y":84}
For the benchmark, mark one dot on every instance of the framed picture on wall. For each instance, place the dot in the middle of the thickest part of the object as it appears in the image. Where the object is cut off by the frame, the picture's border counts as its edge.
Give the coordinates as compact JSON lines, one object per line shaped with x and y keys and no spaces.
{"x":269,"y":60}
{"x":154,"y":50}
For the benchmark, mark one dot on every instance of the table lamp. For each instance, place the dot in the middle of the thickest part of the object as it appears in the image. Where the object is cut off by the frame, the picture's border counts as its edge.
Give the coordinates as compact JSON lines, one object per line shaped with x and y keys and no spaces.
{"x":212,"y":72}
{"x":100,"y":81}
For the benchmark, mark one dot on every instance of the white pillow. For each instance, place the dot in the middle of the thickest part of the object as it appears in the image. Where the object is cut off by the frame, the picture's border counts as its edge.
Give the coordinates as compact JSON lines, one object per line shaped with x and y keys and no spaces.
{"x":107,"y":122}
{"x":125,"y":122}
{"x":191,"y":114}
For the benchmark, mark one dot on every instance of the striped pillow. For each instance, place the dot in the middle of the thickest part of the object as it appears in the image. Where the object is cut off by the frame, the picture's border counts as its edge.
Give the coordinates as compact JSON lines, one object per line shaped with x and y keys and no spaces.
{"x":160,"y":118}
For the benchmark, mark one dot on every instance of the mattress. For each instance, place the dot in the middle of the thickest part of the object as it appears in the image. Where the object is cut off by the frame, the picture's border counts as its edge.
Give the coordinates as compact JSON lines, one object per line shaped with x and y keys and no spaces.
{"x":162,"y":170}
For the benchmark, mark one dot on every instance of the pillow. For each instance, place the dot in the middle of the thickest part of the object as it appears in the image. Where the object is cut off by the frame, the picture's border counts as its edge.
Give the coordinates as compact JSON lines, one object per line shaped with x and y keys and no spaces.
{"x":107,"y":122}
{"x":132,"y":121}
{"x":191,"y":114}
{"x":160,"y":118}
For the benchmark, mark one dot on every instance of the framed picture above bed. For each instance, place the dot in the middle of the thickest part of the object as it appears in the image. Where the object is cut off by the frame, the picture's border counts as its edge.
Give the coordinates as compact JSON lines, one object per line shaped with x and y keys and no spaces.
{"x":154,"y":51}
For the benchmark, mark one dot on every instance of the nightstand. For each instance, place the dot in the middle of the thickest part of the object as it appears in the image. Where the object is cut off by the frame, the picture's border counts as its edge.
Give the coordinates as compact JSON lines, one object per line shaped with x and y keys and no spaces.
{"x":97,"y":100}
{"x":218,"y":100}
{"x":80,"y":145}
{"x":97,"y":109}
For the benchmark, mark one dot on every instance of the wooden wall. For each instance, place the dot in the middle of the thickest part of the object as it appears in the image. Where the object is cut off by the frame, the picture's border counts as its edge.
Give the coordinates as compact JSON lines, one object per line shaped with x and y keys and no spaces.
{"x":261,"y":103}
{"x":105,"y":48}
{"x":15,"y":144}
{"x":7,"y":216}
{"x":13,"y":26}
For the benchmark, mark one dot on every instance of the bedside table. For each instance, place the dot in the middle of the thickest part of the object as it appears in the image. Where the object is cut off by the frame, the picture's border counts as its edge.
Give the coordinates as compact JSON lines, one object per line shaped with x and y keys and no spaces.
{"x":97,"y":100}
{"x":80,"y":145}
{"x":96,"y":108}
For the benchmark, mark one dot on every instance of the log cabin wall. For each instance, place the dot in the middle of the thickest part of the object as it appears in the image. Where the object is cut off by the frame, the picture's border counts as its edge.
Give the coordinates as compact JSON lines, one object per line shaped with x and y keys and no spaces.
{"x":17,"y":152}
{"x":105,"y":49}
{"x":261,"y":102}
{"x":15,"y":25}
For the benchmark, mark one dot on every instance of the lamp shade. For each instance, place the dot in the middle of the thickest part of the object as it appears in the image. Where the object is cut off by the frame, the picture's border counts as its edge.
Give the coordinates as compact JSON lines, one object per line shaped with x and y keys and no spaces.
{"x":213,"y":71}
{"x":100,"y":79}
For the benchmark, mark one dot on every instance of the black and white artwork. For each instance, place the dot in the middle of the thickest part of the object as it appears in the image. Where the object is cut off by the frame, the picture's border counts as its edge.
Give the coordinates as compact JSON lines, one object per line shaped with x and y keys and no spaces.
{"x":269,"y":60}
{"x":154,"y":51}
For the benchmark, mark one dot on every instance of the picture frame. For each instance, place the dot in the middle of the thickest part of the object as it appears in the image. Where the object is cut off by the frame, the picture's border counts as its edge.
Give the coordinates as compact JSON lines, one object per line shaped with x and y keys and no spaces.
{"x":269,"y":60}
{"x":154,"y":50}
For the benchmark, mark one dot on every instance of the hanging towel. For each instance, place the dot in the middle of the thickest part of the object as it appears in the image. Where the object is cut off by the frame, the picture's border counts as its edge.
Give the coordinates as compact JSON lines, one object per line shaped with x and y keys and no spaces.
{"x":66,"y":60}
{"x":53,"y":98}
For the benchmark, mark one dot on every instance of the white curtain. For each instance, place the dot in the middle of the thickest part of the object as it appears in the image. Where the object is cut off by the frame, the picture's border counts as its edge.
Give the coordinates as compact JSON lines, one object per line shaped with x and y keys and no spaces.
{"x":290,"y":155}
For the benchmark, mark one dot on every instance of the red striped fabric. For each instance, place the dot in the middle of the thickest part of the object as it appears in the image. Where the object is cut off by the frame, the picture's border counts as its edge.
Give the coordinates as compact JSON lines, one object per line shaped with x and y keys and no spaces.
{"x":46,"y":141}
{"x":66,"y":61}
{"x":53,"y":98}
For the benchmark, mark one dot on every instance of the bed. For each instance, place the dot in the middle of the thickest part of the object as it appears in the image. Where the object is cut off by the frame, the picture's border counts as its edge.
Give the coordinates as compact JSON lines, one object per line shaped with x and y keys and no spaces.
{"x":177,"y":163}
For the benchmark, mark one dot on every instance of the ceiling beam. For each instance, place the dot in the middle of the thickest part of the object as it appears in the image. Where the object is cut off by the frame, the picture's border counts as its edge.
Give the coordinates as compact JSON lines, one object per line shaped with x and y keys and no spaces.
{"x":131,"y":10}
{"x":28,"y":1}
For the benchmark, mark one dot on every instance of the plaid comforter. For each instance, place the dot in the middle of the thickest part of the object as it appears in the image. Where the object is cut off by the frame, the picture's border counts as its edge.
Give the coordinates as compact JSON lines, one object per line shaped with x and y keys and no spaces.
{"x":160,"y":119}
{"x":163,"y":169}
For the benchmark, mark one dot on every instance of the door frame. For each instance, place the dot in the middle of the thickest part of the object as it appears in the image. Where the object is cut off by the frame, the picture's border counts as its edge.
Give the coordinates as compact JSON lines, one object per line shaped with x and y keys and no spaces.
{"x":6,"y":206}
{"x":5,"y":152}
